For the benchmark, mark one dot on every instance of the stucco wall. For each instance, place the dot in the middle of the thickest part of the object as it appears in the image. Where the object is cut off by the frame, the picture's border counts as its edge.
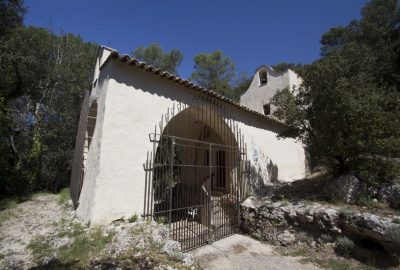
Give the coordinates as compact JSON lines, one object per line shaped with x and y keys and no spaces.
{"x":131,"y":102}
{"x":93,"y":161}
{"x":257,"y":95}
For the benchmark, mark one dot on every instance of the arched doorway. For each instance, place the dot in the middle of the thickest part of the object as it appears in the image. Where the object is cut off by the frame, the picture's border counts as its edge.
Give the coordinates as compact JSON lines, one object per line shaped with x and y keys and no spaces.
{"x":193,"y":179}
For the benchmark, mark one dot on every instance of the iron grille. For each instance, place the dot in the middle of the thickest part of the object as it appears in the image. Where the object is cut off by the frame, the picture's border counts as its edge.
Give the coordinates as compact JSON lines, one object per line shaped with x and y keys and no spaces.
{"x":193,"y":176}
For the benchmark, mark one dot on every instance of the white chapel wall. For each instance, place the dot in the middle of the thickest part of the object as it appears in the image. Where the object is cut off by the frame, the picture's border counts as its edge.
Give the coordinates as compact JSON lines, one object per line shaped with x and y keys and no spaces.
{"x":131,"y":103}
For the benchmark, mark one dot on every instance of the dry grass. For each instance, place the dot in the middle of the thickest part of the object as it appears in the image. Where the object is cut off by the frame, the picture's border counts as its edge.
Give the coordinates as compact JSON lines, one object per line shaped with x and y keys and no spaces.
{"x":83,"y":248}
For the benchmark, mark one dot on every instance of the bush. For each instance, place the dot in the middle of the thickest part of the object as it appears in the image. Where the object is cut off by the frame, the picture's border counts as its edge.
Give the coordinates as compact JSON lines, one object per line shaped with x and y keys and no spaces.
{"x":344,"y":246}
{"x":8,"y":203}
{"x":161,"y":220}
{"x":327,"y":238}
{"x":85,"y":246}
{"x":40,"y":248}
{"x":64,"y":196}
{"x":133,"y":218}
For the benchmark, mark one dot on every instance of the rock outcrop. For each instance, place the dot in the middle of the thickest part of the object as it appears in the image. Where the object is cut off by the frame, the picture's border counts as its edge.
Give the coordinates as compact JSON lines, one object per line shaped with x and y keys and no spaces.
{"x":347,"y":188}
{"x":273,"y":222}
{"x":390,"y":193}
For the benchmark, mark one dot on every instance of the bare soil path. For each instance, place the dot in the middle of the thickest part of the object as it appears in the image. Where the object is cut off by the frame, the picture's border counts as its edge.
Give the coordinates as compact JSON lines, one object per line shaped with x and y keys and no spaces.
{"x":242,"y":252}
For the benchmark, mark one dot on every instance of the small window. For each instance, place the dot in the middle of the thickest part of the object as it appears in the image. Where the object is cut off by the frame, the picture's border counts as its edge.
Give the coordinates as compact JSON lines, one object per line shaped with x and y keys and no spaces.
{"x":267,"y":109}
{"x":263,"y":77}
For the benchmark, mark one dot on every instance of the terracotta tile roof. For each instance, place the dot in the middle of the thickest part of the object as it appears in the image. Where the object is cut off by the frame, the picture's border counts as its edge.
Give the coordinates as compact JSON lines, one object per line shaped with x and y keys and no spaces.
{"x":172,"y":77}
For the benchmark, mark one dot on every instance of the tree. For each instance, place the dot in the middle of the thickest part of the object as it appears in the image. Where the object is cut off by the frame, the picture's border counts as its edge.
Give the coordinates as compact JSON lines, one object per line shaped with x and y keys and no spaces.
{"x":283,"y":66}
{"x":378,"y":29}
{"x":155,"y":55}
{"x":11,"y":15}
{"x":348,"y":108}
{"x":45,"y":76}
{"x":242,"y":83}
{"x":214,"y":71}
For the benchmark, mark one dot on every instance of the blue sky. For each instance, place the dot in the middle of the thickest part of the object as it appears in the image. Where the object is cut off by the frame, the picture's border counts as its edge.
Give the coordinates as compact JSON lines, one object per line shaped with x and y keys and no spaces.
{"x":250,"y":32}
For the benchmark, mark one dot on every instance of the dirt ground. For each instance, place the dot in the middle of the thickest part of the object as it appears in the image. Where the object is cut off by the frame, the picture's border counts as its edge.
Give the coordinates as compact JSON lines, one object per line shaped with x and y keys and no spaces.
{"x":37,"y":216}
{"x":242,"y":252}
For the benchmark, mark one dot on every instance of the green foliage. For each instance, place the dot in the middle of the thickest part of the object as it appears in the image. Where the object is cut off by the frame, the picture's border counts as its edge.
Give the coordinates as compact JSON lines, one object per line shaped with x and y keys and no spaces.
{"x":85,"y":246}
{"x":64,"y":196}
{"x":240,"y":86}
{"x":155,"y":55}
{"x":348,"y":108}
{"x":69,"y":229}
{"x":40,"y":248}
{"x":161,"y":220}
{"x":327,"y":238}
{"x":6,"y":214}
{"x":365,"y":200}
{"x":298,"y":252}
{"x":214,"y":71}
{"x":344,"y":246}
{"x":290,"y":109}
{"x":142,"y":259}
{"x":44,"y":77}
{"x":11,"y":15}
{"x":133,"y":218}
{"x":9,"y":203}
{"x":281,"y":67}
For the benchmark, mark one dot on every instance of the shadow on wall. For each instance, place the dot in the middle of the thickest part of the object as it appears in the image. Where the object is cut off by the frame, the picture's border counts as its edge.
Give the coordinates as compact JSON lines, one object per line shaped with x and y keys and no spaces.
{"x":256,"y":177}
{"x":160,"y":87}
{"x":272,"y":171}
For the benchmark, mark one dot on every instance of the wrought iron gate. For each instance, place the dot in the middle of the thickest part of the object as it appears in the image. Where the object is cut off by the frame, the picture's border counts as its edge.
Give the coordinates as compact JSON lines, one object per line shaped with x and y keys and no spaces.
{"x":193,"y":176}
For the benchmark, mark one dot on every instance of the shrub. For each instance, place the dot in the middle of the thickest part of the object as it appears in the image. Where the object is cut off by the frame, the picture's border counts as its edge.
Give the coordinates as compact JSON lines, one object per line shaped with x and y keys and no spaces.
{"x":365,"y":200}
{"x":8,"y":203}
{"x":6,"y":214}
{"x":327,"y":238}
{"x":248,"y":218}
{"x":396,"y":220}
{"x":70,"y":229}
{"x":161,"y":220}
{"x":133,"y":218}
{"x":64,"y":196}
{"x":344,"y":246}
{"x":85,"y":246}
{"x":40,"y":248}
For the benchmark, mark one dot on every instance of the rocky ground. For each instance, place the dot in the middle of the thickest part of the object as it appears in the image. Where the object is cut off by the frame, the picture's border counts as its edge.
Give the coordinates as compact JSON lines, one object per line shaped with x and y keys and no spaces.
{"x":299,"y":227}
{"x":301,"y":219}
{"x":238,"y":252}
{"x":43,"y":233}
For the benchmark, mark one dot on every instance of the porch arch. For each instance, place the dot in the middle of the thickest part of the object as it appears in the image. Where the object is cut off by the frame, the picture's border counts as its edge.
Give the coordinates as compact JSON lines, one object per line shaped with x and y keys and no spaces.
{"x":193,"y":176}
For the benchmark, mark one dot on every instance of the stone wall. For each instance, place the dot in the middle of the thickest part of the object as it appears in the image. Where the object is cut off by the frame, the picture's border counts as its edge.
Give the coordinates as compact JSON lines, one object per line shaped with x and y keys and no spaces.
{"x":278,"y":222}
